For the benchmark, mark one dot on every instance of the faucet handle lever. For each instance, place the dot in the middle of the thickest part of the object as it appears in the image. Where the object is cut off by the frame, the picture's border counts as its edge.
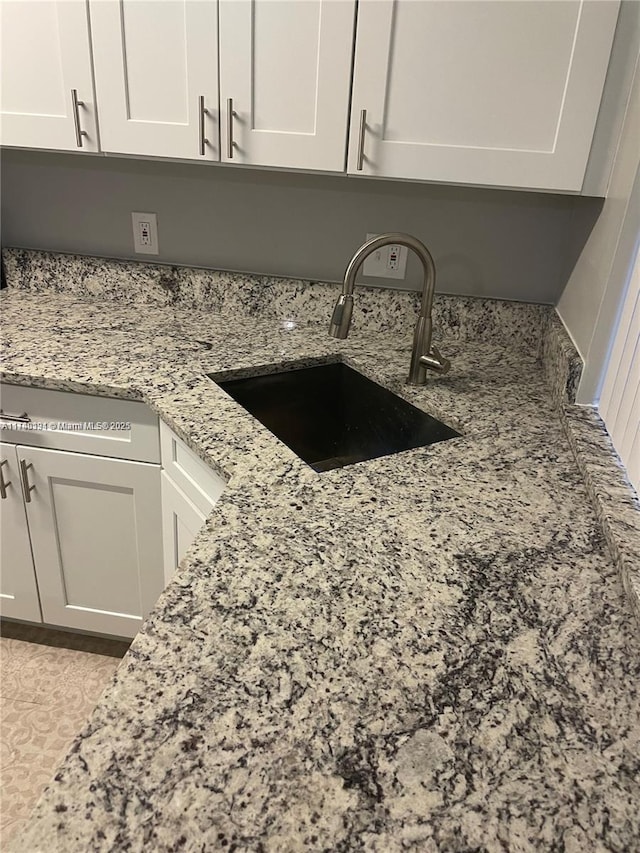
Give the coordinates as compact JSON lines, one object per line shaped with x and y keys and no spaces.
{"x":434,"y":360}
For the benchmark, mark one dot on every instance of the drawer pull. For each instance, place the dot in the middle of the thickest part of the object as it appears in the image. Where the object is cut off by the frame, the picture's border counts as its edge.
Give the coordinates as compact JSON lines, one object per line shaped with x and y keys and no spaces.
{"x":23,"y":418}
{"x":363,"y":127}
{"x":26,"y":488}
{"x":203,"y":111}
{"x":76,"y":104}
{"x":230,"y":115}
{"x":3,"y":484}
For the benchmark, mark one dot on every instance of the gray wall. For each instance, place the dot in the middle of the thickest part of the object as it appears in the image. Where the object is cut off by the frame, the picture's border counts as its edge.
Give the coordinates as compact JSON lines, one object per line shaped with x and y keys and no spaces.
{"x":503,"y":244}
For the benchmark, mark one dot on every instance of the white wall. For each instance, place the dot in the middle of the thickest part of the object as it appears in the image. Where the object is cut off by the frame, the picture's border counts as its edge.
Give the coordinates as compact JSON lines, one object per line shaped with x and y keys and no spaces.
{"x":592,"y":298}
{"x":620,"y":398}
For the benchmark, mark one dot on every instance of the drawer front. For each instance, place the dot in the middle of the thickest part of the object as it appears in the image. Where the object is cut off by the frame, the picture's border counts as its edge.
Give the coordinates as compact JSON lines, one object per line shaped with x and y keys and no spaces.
{"x":60,"y":420}
{"x":200,"y":484}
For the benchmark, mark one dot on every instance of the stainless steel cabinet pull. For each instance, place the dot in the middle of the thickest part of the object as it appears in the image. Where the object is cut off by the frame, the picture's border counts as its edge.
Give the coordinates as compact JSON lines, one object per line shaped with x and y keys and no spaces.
{"x":203,"y":111}
{"x":76,"y":117}
{"x":363,"y":127}
{"x":3,"y":484}
{"x":26,"y":488}
{"x":230,"y":115}
{"x":23,"y":418}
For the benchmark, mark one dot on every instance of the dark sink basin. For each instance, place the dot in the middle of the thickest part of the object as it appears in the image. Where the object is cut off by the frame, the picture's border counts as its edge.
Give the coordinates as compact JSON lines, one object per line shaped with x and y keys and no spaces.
{"x":331,"y":415}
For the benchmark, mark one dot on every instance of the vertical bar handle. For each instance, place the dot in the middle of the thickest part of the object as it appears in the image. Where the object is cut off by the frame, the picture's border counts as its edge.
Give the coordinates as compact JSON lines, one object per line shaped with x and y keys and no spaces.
{"x":3,"y":484}
{"x":26,"y":488}
{"x":230,"y":115}
{"x":363,"y":127}
{"x":76,"y":117}
{"x":202,"y":112}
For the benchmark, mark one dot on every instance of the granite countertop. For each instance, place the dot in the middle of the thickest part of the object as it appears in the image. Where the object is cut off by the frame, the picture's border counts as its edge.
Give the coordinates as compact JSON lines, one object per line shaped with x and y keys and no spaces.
{"x":431,"y":651}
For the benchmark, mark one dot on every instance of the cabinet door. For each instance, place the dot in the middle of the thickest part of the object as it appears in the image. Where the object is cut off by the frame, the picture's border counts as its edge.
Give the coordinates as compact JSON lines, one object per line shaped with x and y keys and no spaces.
{"x":156,"y":67}
{"x":96,"y":537}
{"x":181,"y":521}
{"x":18,"y":590}
{"x":46,"y":57}
{"x":201,"y":485}
{"x":479,"y":92}
{"x":286,"y":66}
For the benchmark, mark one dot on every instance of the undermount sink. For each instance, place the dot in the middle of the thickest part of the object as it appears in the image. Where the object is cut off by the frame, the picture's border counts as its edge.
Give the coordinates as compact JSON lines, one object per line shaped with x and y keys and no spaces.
{"x":331,"y":416}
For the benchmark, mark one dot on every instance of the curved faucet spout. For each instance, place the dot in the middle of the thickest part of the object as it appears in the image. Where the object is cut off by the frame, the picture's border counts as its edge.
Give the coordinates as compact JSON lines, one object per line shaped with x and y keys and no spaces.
{"x":423,"y":355}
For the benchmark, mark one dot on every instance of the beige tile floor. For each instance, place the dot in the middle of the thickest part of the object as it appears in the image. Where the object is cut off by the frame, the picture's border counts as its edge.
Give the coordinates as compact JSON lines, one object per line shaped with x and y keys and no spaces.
{"x":50,"y":681}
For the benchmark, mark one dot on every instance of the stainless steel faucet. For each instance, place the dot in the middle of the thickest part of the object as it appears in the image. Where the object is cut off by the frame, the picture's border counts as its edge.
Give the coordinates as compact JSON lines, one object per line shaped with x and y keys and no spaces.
{"x":424,"y":355}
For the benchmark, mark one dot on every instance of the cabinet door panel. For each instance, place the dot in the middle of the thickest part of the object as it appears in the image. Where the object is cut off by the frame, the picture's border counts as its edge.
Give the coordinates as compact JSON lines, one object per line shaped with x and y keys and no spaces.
{"x":154,"y":60}
{"x":45,"y":54}
{"x":96,"y":536}
{"x":181,"y":521}
{"x":18,"y":589}
{"x":286,"y":64}
{"x":480,"y":91}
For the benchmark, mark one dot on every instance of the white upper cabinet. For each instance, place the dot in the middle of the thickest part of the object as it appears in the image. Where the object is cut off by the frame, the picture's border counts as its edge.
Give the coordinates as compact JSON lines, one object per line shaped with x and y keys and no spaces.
{"x":285,"y":75}
{"x":46,"y":93}
{"x":156,"y":67}
{"x":485,"y":92}
{"x":480,"y":92}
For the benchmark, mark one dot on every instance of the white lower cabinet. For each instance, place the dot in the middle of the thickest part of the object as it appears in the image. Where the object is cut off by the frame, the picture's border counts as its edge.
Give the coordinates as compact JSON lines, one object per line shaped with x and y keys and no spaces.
{"x":81,"y":520}
{"x":95,"y":533}
{"x":181,"y":521}
{"x":18,"y":588}
{"x":190,"y":489}
{"x":92,"y":528}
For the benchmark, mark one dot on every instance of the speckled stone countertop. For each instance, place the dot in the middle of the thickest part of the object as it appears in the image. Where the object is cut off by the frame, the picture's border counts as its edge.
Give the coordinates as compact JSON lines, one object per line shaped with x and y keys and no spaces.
{"x":431,"y":651}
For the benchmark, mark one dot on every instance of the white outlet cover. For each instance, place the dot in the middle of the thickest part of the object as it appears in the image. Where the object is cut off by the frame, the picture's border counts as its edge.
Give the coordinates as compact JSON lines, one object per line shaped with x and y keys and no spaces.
{"x":145,"y":233}
{"x":377,"y":264}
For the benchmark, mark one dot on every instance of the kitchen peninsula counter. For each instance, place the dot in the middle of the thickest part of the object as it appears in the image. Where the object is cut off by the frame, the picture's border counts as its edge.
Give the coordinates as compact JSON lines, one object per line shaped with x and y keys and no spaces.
{"x":431,"y":651}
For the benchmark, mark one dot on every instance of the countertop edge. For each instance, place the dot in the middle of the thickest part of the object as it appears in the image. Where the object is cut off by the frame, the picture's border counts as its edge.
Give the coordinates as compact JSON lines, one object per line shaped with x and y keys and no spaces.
{"x":613,"y":498}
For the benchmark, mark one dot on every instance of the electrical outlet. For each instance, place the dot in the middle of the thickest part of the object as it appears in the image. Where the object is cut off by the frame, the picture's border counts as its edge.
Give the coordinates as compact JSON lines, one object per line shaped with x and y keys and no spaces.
{"x":386,"y":262}
{"x":393,"y":259}
{"x":145,"y":233}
